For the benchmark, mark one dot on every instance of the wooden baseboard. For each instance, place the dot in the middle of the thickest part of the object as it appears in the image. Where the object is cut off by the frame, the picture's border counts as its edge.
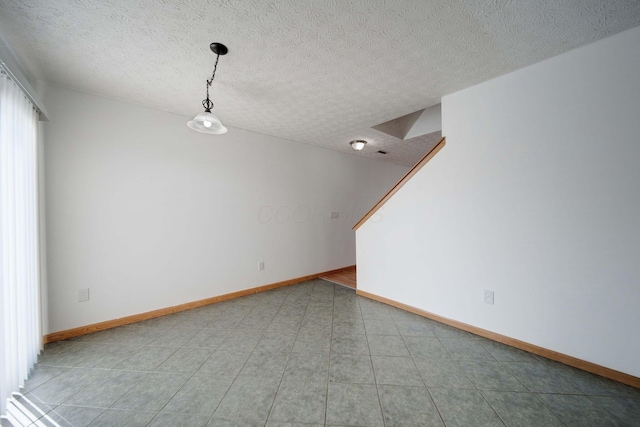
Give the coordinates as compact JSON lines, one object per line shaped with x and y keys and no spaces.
{"x":101,"y":326}
{"x":531,"y":348}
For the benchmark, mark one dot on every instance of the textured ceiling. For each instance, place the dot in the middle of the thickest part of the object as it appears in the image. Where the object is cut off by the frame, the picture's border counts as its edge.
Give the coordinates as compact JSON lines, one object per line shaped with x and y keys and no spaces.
{"x":315,"y":71}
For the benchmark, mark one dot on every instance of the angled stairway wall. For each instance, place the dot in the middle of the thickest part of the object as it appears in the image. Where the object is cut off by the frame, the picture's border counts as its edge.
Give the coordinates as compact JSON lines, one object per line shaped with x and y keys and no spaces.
{"x":535,"y":197}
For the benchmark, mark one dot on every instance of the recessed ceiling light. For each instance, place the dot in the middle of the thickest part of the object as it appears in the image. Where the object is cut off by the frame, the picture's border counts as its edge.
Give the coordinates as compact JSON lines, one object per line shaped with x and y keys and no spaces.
{"x":358,"y":144}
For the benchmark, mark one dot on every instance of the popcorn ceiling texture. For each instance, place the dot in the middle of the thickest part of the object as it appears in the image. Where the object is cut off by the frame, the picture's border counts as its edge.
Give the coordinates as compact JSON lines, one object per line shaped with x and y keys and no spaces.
{"x":317,"y":72}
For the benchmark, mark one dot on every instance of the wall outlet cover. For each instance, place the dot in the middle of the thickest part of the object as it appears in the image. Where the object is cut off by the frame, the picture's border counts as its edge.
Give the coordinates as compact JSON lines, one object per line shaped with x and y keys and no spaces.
{"x":488,"y":297}
{"x":335,"y":215}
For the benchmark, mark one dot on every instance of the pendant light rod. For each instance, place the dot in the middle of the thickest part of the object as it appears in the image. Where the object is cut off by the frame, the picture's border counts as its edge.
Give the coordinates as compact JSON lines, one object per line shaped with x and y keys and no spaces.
{"x":218,"y":49}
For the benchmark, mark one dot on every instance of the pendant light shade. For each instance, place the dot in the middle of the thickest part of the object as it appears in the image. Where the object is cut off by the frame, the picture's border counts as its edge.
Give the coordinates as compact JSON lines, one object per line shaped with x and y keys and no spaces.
{"x":358,"y":144}
{"x":207,"y":123}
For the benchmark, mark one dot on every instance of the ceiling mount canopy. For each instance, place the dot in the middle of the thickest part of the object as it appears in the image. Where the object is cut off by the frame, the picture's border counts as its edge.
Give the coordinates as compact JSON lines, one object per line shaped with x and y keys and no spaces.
{"x":218,"y":48}
{"x":207,"y":122}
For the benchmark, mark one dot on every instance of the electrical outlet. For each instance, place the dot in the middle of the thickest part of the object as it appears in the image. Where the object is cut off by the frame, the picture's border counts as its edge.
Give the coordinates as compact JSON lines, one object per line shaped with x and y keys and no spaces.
{"x":261,"y":266}
{"x":83,"y":295}
{"x":335,"y":215}
{"x":488,"y":297}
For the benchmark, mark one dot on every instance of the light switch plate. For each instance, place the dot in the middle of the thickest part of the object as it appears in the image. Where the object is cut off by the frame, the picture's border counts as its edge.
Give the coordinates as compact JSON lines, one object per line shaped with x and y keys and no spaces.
{"x":83,"y":295}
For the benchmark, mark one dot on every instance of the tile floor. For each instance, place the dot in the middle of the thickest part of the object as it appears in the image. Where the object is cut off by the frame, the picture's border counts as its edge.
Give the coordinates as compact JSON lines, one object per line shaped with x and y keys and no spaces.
{"x":313,"y":354}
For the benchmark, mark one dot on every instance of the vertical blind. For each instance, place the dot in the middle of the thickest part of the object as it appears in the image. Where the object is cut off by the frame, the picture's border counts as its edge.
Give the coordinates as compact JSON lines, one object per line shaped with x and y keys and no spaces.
{"x":20,"y":324}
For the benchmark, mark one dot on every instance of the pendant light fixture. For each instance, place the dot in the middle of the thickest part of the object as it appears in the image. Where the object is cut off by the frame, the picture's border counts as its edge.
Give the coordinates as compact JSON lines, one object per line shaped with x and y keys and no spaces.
{"x":358,"y":144}
{"x":206,"y":122}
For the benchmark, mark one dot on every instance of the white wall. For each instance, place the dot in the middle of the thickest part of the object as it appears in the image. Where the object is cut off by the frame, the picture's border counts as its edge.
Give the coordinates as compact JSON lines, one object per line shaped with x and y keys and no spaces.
{"x":149,"y":214}
{"x":535,"y":196}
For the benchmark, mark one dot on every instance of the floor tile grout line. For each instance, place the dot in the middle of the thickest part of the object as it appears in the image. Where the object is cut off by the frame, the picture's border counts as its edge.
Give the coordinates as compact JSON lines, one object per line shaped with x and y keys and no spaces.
{"x":133,"y":386}
{"x":194,"y":373}
{"x":102,"y":412}
{"x":326,"y":398}
{"x":373,"y":369}
{"x":477,"y":388}
{"x":492,"y":408}
{"x":285,"y":367}
{"x":535,"y":394}
{"x":111,"y":370}
{"x":176,"y":392}
{"x":234,"y":380}
{"x":506,"y":367}
{"x":52,"y":410}
{"x":418,"y":371}
{"x":435,"y":406}
{"x":480,"y":390}
{"x":595,"y":402}
{"x":183,"y":385}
